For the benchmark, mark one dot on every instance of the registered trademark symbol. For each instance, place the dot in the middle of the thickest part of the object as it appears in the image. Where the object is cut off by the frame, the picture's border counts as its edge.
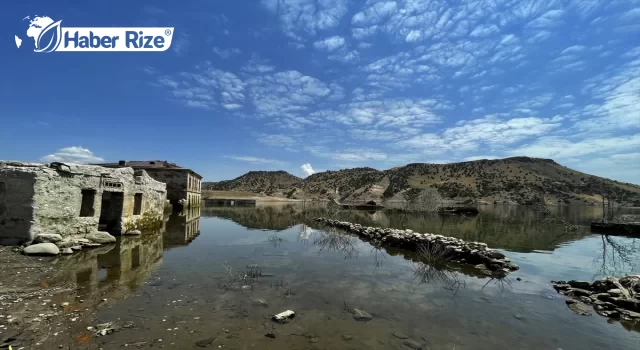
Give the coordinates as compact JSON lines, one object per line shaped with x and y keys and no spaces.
{"x":167,"y":32}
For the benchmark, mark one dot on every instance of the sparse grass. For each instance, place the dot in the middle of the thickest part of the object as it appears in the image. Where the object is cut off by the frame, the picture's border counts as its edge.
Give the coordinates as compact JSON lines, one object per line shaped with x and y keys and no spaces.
{"x":276,"y":240}
{"x":334,"y":241}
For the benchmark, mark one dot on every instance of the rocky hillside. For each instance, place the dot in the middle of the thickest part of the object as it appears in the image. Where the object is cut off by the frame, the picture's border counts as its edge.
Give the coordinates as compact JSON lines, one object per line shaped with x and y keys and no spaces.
{"x":271,"y":183}
{"x":517,"y":179}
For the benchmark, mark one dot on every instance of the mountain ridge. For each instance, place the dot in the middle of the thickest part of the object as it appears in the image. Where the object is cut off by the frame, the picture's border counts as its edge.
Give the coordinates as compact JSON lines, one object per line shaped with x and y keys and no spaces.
{"x":514,"y":179}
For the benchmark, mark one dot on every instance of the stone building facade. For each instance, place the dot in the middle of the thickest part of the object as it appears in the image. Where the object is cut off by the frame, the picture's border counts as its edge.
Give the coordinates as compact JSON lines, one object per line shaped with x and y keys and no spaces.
{"x":72,"y":199}
{"x":183,"y":185}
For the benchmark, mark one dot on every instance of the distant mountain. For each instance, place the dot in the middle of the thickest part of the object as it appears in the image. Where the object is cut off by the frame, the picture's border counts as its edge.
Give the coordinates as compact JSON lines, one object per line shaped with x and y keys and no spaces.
{"x":270,"y":183}
{"x":516,"y":179}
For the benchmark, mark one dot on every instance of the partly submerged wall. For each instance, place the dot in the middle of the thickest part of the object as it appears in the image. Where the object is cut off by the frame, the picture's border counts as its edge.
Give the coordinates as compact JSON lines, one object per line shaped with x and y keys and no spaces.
{"x":43,"y":198}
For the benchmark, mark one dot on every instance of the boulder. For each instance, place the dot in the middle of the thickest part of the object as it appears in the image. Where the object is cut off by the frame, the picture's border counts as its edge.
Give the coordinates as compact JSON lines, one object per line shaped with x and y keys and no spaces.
{"x":579,"y":284}
{"x":100,"y":237}
{"x":579,"y":292}
{"x":67,"y":251}
{"x":47,"y":238}
{"x":133,"y":233}
{"x":42,"y":249}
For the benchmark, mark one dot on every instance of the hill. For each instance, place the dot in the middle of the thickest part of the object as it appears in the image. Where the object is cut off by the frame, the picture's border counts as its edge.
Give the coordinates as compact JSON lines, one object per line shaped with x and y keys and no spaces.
{"x":270,"y":183}
{"x":516,"y":179}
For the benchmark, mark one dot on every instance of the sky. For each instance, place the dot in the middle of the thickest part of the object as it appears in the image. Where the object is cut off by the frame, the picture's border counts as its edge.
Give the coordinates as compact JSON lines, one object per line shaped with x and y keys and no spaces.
{"x":314,"y":85}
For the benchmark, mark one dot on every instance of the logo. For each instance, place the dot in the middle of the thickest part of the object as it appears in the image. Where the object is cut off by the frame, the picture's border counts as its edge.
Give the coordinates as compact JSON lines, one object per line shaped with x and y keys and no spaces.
{"x":49,"y":35}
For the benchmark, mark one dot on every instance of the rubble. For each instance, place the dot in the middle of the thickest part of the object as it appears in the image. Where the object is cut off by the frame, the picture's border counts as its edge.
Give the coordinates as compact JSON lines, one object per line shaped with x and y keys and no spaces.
{"x":610,"y":297}
{"x":476,"y":254}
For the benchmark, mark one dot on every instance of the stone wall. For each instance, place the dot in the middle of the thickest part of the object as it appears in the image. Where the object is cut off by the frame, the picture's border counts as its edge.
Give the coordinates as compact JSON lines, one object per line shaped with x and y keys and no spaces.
{"x":181,"y":184}
{"x":48,"y":199}
{"x":16,"y":204}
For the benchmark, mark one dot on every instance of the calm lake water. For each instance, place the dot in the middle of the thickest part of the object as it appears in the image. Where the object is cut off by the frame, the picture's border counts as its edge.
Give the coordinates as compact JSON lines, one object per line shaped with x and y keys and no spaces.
{"x":186,"y":288}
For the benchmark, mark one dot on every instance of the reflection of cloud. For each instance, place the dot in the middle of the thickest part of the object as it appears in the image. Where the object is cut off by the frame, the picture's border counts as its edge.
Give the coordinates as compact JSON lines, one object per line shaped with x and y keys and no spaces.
{"x":305,"y":232}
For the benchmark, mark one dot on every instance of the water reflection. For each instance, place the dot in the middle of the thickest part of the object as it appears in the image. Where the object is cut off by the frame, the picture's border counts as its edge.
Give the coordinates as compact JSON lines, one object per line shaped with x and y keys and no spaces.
{"x":114,"y":271}
{"x":182,"y":228}
{"x":315,"y":272}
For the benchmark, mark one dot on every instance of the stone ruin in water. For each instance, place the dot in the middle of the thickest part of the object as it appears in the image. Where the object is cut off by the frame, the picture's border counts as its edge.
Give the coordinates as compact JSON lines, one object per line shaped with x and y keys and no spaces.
{"x":74,"y":200}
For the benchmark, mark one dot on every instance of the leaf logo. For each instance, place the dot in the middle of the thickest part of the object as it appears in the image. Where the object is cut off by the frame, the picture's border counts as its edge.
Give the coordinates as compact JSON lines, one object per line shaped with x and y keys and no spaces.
{"x":54,"y":32}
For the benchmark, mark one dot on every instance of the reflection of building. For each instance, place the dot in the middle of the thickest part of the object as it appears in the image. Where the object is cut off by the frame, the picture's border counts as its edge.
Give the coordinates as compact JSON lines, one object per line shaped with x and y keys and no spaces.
{"x":113,"y":270}
{"x":72,"y":199}
{"x":182,"y":228}
{"x":182,"y":183}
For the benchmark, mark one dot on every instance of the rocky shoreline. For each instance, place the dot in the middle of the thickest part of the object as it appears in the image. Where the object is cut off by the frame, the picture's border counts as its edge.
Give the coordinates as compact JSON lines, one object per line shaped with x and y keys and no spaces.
{"x":610,"y":297}
{"x":490,"y":262}
{"x":54,"y":244}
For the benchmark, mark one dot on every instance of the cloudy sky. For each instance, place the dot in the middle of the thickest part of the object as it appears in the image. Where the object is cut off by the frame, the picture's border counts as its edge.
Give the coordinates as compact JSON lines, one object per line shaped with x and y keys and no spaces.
{"x":312,"y":85}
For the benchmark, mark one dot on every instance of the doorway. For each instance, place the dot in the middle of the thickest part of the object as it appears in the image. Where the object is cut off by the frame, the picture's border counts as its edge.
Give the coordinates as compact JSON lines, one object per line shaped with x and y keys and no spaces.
{"x":111,"y":212}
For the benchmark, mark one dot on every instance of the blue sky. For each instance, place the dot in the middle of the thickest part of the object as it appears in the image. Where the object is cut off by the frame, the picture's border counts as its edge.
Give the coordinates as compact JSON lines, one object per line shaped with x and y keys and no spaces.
{"x":330,"y":84}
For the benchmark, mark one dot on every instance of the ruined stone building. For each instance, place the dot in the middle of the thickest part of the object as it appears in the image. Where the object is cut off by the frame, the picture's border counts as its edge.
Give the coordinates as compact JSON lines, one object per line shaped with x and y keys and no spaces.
{"x":72,"y":199}
{"x":182,"y":183}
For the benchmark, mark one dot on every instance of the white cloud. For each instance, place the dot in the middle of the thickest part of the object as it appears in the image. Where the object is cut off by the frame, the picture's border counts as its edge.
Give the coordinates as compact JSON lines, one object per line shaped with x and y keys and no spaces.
{"x":307,"y":170}
{"x":330,"y":44}
{"x":277,"y":140}
{"x":74,"y":154}
{"x":226,"y":53}
{"x":256,"y":160}
{"x":300,"y":17}
{"x":348,"y":155}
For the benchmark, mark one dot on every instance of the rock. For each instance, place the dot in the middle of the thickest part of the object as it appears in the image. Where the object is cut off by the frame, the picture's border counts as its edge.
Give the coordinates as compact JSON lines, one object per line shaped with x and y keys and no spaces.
{"x":519,"y":317}
{"x":47,"y":238}
{"x":579,"y":284}
{"x":133,"y":233}
{"x":361,"y":315}
{"x":494,"y":254}
{"x":400,"y":335}
{"x":614,"y":292}
{"x":260,"y":302}
{"x":205,"y":342}
{"x":76,"y":247}
{"x":270,"y":335}
{"x":347,"y":337}
{"x":628,"y":313}
{"x":67,"y":243}
{"x":578,"y":307}
{"x":412,"y":344}
{"x":100,"y":237}
{"x":67,"y":251}
{"x":314,"y":340}
{"x":579,"y":292}
{"x":42,"y":249}
{"x":284,"y":316}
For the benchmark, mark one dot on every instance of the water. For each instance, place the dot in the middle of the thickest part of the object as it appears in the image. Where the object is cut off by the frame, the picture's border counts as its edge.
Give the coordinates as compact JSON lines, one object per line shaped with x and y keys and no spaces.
{"x":187,"y":287}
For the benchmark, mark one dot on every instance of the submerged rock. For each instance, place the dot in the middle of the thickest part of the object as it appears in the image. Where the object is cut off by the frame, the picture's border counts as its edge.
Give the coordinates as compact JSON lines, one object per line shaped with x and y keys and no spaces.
{"x":260,"y":302}
{"x":361,"y":315}
{"x":412,"y":344}
{"x":578,"y":307}
{"x":400,"y":335}
{"x":42,"y":249}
